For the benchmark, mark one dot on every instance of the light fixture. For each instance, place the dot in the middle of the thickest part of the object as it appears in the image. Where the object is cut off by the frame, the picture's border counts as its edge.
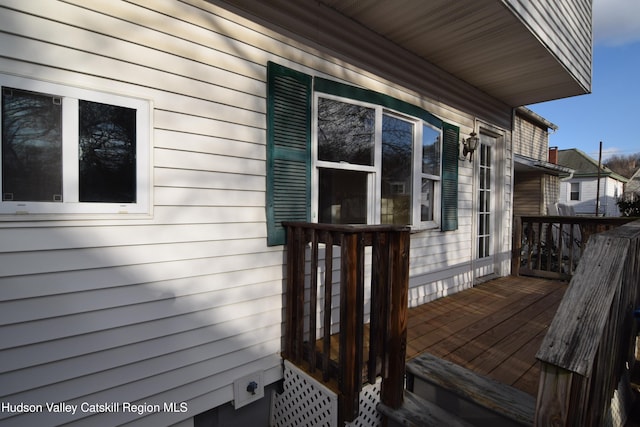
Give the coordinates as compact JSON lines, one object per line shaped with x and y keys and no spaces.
{"x":469,"y":145}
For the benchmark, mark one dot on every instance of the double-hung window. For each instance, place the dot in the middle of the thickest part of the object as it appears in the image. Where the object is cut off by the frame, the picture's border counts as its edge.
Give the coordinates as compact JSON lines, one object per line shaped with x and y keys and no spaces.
{"x":574,"y":191}
{"x":373,"y":165}
{"x":67,"y":150}
{"x":342,"y":154}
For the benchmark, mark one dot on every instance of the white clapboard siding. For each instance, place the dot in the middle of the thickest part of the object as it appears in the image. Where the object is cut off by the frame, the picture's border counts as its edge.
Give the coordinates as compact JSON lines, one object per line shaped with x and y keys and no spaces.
{"x":61,"y":305}
{"x":110,"y":335}
{"x":203,"y":143}
{"x":69,"y":237}
{"x":208,"y":340}
{"x":177,"y":305}
{"x":204,"y":161}
{"x":223,"y":252}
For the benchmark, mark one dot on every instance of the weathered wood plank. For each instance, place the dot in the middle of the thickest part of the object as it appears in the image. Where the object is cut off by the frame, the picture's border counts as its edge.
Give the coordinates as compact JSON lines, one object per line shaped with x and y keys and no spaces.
{"x":495,"y":328}
{"x":580,"y":313}
{"x":586,"y":353}
{"x":417,"y":412}
{"x":508,"y":401}
{"x":480,"y":334}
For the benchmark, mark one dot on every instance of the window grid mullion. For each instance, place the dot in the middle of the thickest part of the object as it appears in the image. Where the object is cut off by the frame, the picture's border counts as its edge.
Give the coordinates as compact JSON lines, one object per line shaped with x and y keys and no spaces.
{"x":70,"y":169}
{"x":375,"y":202}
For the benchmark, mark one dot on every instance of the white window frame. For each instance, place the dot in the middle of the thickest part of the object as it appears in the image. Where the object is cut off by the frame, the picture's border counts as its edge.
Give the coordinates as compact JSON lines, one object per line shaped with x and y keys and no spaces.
{"x":374,"y":181}
{"x":570,"y":192}
{"x":70,"y":152}
{"x":417,"y":181}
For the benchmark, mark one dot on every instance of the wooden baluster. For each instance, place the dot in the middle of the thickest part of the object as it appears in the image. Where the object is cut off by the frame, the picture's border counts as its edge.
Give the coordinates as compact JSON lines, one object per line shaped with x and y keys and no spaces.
{"x":560,"y":246}
{"x":377,"y":325}
{"x":571,"y":245}
{"x":313,"y":300}
{"x":550,"y":245}
{"x":516,"y":254}
{"x":328,"y":282}
{"x":539,"y":237}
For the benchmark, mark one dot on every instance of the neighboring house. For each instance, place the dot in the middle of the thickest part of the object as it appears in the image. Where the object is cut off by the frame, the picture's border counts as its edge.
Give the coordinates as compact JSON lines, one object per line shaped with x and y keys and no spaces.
{"x":580,"y":191}
{"x":632,"y":188}
{"x":152,"y":148}
{"x":536,"y":182}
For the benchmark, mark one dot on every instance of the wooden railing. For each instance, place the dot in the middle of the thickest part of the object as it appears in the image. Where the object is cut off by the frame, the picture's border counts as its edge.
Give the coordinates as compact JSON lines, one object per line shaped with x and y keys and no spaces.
{"x":588,"y":349}
{"x":551,"y":246}
{"x":361,"y":357}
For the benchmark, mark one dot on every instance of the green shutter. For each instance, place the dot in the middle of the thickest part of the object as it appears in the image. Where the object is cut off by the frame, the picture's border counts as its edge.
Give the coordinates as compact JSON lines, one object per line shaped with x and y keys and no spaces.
{"x":288,"y":149}
{"x":449,"y":190}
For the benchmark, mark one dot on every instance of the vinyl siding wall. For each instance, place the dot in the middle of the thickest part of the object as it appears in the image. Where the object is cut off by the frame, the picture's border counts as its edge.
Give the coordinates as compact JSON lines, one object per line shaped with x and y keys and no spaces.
{"x":610,"y":190}
{"x":528,"y":193}
{"x":564,"y":28}
{"x":530,"y":140}
{"x":174,"y":306}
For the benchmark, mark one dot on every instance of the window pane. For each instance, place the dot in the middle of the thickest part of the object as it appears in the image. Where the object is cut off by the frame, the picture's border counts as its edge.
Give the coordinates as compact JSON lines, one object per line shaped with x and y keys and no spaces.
{"x":107,"y":153}
{"x":575,"y":191}
{"x":342,"y":197}
{"x":345,"y":132}
{"x":397,"y":144}
{"x":426,"y":202}
{"x":430,"y":151}
{"x":31,"y":146}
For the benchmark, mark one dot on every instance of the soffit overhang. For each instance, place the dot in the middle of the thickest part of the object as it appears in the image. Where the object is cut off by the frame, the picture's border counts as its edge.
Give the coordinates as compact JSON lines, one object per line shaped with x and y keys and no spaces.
{"x":482,"y":42}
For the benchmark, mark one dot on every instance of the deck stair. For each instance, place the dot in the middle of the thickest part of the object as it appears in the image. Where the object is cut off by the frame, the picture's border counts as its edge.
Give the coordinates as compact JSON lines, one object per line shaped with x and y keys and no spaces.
{"x":437,"y":389}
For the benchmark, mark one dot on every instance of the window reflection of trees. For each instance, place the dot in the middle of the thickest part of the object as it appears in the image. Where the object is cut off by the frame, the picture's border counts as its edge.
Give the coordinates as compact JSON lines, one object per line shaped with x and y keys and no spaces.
{"x":430,"y":151}
{"x":31,"y":146}
{"x":397,"y":149}
{"x":107,"y":153}
{"x":397,"y":143}
{"x":345,"y":132}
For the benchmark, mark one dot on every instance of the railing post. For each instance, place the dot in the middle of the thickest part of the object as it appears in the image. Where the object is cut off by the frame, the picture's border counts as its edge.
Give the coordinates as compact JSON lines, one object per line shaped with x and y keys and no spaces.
{"x":393,"y":379}
{"x":586,"y":353}
{"x":516,"y":246}
{"x":294,"y":319}
{"x":388,"y":323}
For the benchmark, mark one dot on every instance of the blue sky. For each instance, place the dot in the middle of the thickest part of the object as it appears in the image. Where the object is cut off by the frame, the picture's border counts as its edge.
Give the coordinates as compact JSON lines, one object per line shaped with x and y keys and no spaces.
{"x":611,"y":113}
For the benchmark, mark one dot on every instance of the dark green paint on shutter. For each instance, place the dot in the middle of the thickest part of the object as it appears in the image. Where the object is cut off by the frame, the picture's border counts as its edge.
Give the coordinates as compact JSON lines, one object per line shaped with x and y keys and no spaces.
{"x":288,"y":149}
{"x":449,"y":191}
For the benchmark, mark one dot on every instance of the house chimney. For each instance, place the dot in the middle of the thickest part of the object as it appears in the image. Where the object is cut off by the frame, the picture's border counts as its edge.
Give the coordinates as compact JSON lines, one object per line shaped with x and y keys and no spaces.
{"x":553,"y":155}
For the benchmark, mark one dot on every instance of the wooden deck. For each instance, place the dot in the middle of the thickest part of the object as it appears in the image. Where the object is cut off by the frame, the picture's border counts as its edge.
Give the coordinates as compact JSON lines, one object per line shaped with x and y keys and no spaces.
{"x":494,"y":329}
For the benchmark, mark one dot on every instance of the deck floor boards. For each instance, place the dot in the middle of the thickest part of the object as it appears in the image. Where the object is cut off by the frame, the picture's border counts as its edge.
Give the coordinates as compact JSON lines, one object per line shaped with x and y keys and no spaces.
{"x":494,"y":329}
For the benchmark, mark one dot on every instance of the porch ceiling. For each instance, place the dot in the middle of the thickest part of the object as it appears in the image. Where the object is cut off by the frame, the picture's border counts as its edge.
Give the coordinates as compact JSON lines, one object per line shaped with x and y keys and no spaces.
{"x":481,"y":42}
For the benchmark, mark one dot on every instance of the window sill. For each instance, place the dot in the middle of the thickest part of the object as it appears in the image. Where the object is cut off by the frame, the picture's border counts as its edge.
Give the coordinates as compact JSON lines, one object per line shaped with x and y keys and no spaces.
{"x":38,"y":219}
{"x":431,"y":226}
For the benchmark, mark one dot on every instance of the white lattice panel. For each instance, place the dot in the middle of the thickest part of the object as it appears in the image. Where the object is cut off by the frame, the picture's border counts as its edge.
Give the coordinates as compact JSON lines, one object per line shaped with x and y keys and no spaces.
{"x":306,"y":402}
{"x":369,"y":399}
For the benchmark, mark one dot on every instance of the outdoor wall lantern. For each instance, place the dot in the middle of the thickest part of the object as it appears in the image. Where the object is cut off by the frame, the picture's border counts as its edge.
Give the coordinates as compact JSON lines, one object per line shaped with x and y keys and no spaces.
{"x":469,"y":145}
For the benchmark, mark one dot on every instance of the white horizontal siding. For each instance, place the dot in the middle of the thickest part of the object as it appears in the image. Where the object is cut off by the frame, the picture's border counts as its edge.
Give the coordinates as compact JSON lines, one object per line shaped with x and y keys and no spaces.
{"x":176,"y":306}
{"x":164,"y":308}
{"x":564,"y":28}
{"x":530,"y":140}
